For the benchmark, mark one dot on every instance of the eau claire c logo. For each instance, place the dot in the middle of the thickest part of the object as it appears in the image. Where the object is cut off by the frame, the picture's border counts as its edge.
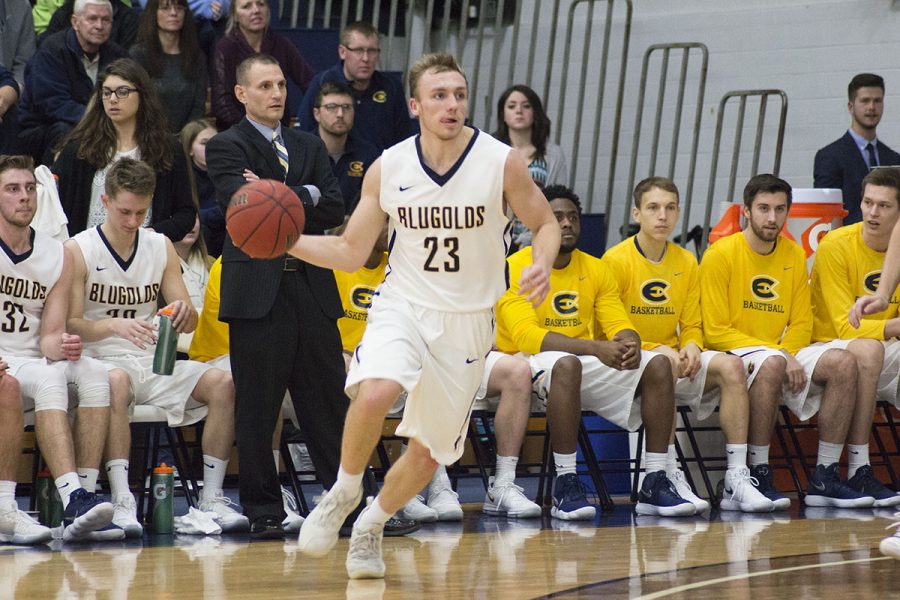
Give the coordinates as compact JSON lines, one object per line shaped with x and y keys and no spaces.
{"x":380,"y":96}
{"x":355,"y":169}
{"x":763,"y":287}
{"x":871,"y":281}
{"x":655,"y":291}
{"x":361,"y":296}
{"x":565,"y":304}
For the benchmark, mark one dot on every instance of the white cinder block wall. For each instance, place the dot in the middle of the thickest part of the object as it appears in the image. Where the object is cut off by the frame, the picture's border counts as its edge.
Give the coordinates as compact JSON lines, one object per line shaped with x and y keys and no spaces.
{"x":810,"y":49}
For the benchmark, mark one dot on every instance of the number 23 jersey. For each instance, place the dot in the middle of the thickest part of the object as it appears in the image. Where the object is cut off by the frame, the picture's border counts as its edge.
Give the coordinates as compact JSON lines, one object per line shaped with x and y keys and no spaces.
{"x":448,"y":234}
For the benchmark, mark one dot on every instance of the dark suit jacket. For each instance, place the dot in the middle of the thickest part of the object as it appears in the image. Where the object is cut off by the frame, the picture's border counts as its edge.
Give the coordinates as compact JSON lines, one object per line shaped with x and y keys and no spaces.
{"x":840,"y":165}
{"x":249,"y":286}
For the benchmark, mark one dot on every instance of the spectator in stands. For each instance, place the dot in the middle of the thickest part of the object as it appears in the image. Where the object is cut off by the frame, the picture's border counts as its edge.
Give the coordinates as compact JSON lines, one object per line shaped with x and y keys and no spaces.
{"x":350,"y":156}
{"x":60,"y":78}
{"x":523,"y":124}
{"x":124,"y":22}
{"x":195,"y":263}
{"x":9,"y":96}
{"x":124,"y":120}
{"x":16,"y":37}
{"x":844,"y":163}
{"x":167,"y":48}
{"x":212,"y":221}
{"x":249,"y":33}
{"x":211,"y":17}
{"x":41,"y":12}
{"x":585,"y":354}
{"x":381,"y":116}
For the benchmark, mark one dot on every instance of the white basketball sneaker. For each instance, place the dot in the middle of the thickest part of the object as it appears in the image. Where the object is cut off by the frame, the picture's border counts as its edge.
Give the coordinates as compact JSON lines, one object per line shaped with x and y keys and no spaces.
{"x":443,"y":500}
{"x":364,"y":557}
{"x":684,"y":490}
{"x":507,"y":499}
{"x":890,"y":546}
{"x":739,"y":492}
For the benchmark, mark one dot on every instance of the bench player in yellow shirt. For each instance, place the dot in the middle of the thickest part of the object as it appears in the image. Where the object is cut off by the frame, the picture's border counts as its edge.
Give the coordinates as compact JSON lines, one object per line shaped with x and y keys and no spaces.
{"x":755,"y":303}
{"x":659,"y":284}
{"x":847,"y":265}
{"x":505,"y":376}
{"x":586,"y":355}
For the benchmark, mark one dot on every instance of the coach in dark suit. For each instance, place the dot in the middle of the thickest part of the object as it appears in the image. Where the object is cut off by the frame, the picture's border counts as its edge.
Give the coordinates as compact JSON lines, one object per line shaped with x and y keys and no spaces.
{"x":281,"y":312}
{"x":844,"y":163}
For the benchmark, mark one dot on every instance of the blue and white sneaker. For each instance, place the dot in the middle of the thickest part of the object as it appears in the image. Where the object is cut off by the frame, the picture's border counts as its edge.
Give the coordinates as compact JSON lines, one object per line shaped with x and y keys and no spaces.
{"x":763,"y":476}
{"x":864,"y":482}
{"x":890,"y":546}
{"x":570,"y":501}
{"x":827,"y":489}
{"x":659,"y":497}
{"x":85,"y":513}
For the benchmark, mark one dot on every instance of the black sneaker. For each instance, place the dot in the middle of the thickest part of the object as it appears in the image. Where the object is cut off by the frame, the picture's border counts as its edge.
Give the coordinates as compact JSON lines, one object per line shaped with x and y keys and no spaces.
{"x":827,"y":489}
{"x":763,"y":475}
{"x":85,"y":513}
{"x":570,"y":501}
{"x":659,"y":497}
{"x":864,"y":482}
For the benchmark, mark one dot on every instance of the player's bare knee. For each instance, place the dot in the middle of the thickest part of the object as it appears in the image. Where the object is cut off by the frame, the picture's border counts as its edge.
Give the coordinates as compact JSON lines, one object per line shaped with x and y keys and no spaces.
{"x":566,"y":369}
{"x":658,"y":373}
{"x":731,"y":372}
{"x":840,"y":366}
{"x":518,"y":379}
{"x":869,"y":354}
{"x":10,"y":393}
{"x":771,"y":371}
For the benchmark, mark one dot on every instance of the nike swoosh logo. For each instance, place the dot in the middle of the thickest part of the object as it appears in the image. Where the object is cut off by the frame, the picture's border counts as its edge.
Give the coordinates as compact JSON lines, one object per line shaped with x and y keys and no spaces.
{"x":819,"y":486}
{"x":101,"y":268}
{"x":469,"y":361}
{"x":82,"y":476}
{"x":403,"y":189}
{"x":730,"y":451}
{"x":788,"y":268}
{"x":678,"y":273}
{"x":582,"y":278}
{"x":852,"y":452}
{"x":208,"y":465}
{"x":64,"y":486}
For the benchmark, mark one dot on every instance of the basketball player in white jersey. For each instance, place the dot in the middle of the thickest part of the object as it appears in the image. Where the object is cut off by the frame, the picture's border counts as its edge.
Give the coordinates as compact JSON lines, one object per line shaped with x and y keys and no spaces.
{"x":120,"y":271}
{"x":34,"y":284}
{"x":431,"y":325}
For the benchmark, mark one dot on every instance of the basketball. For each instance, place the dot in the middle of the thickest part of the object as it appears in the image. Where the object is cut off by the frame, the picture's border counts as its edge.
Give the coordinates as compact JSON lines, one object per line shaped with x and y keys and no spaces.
{"x":265,"y":218}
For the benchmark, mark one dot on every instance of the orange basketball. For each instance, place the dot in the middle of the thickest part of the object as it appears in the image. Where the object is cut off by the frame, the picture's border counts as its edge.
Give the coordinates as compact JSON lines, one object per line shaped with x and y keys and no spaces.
{"x":265,"y":218}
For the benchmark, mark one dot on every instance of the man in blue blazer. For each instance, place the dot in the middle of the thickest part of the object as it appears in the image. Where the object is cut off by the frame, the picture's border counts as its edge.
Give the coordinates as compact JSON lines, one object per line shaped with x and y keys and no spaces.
{"x":844,"y":163}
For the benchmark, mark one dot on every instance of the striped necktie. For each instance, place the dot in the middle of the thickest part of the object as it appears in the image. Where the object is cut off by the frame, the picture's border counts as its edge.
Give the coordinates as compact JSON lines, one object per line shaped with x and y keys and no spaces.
{"x":280,"y":150}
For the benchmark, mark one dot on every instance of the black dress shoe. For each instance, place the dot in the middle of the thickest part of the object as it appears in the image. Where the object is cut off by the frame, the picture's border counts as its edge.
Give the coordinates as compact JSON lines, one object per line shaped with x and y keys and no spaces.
{"x":266,"y":528}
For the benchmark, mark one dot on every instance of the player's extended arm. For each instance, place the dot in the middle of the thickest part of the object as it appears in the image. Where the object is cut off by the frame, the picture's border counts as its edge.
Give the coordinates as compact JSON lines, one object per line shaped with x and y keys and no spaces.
{"x":348,"y":251}
{"x":890,"y":277}
{"x":529,"y":204}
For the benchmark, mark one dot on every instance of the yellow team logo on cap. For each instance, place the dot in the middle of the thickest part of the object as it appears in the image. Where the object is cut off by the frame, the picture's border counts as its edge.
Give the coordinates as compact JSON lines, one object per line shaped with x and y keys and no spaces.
{"x":655,"y":291}
{"x":565,"y":303}
{"x":380,"y":96}
{"x":763,"y":287}
{"x":355,"y":169}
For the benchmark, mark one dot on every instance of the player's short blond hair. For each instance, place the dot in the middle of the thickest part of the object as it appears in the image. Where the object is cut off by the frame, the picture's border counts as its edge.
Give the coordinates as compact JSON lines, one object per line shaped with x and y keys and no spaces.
{"x":437,"y":62}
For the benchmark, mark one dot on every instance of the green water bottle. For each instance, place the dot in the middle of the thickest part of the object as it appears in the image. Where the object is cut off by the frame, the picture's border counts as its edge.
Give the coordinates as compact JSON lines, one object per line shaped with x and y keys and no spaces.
{"x":49,"y":504}
{"x":166,"y":344}
{"x":162,"y":485}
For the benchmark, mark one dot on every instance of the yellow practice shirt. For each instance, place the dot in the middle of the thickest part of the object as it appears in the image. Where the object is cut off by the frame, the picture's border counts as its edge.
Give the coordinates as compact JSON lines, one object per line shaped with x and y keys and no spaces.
{"x":356,"y":290}
{"x":748,"y":299}
{"x":211,"y":336}
{"x":661,"y":299}
{"x":583,"y":303}
{"x":845,"y":268}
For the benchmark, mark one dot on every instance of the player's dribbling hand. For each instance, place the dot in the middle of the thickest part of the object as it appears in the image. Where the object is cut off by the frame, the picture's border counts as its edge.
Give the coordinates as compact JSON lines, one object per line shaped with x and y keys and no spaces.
{"x":71,"y":346}
{"x":535,"y":282}
{"x":866,"y":305}
{"x":140,"y":333}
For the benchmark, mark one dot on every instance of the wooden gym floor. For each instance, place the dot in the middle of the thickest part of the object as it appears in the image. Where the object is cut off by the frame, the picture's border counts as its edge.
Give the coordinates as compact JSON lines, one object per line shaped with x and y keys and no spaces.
{"x":826,"y":553}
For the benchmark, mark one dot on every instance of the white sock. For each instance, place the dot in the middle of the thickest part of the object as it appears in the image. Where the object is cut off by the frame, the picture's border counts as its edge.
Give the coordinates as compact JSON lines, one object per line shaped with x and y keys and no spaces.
{"x":373,"y":516}
{"x":213,"y":475}
{"x":347,"y":482}
{"x":655,"y":461}
{"x":565,"y":463}
{"x":440,"y":476}
{"x":857,"y":456}
{"x":276,"y":454}
{"x":829,"y":453}
{"x":117,"y":474}
{"x":736,"y":455}
{"x":66,"y":484}
{"x":505,"y":472}
{"x":671,"y":459}
{"x":759,"y":455}
{"x":88,"y":478}
{"x":7,"y":491}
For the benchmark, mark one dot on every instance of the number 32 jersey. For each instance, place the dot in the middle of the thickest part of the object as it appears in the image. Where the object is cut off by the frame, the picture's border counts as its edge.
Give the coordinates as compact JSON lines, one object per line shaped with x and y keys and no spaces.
{"x":448,"y":234}
{"x":25,"y":281}
{"x":115,"y":287}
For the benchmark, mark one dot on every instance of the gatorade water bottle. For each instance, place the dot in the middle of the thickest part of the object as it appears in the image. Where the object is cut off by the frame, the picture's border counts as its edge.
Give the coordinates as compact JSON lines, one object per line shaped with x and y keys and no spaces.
{"x":162,"y":485}
{"x":166,"y":344}
{"x":49,"y":504}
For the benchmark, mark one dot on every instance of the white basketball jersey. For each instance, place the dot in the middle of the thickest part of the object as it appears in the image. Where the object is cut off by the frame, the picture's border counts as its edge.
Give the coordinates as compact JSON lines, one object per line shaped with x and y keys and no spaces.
{"x":448,"y":234}
{"x":25,"y":281}
{"x":121,"y":288}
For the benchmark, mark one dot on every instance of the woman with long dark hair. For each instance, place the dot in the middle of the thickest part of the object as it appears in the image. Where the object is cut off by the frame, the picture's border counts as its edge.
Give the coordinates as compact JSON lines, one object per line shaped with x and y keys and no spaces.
{"x":168,"y":49}
{"x":193,"y":139}
{"x":523,"y":124}
{"x":249,"y":33}
{"x":124,"y":118}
